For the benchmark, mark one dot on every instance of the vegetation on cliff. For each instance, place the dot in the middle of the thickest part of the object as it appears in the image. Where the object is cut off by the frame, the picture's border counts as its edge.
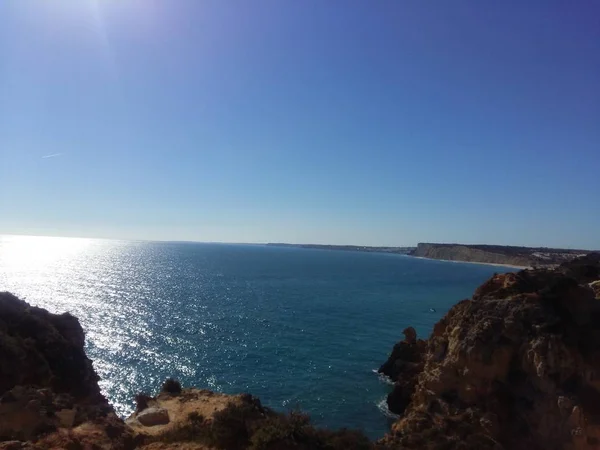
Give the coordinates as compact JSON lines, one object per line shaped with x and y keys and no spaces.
{"x":239,"y":422}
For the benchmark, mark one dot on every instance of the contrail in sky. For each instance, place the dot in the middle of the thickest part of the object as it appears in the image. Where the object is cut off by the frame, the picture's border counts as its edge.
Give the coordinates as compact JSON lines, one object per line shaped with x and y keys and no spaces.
{"x":53,"y":155}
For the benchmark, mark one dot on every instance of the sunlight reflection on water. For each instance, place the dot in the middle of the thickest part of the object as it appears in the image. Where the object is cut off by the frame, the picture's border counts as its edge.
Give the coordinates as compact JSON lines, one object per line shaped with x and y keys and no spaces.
{"x":294,"y":327}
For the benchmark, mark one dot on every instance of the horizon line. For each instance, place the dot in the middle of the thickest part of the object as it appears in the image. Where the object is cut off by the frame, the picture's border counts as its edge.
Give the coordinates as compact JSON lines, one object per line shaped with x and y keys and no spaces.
{"x":273,"y":243}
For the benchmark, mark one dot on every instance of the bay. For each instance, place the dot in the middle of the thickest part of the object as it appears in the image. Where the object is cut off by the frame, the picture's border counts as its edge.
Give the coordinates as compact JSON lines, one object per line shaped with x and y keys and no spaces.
{"x":299,"y":328}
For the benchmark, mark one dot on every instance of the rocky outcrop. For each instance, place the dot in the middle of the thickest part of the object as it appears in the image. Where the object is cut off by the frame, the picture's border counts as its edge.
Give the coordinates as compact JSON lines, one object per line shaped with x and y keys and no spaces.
{"x":497,"y":254}
{"x":403,"y":366}
{"x":515,"y":367}
{"x":44,"y":350}
{"x":46,"y":381}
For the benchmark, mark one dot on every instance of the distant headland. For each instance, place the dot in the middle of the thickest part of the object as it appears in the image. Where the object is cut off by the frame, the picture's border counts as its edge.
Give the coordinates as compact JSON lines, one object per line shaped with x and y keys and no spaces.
{"x":485,"y":254}
{"x":498,"y":254}
{"x":352,"y":248}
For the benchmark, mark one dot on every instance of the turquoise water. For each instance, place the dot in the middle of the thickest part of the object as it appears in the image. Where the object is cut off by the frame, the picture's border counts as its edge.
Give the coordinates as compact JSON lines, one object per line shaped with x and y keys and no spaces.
{"x":296,"y":327}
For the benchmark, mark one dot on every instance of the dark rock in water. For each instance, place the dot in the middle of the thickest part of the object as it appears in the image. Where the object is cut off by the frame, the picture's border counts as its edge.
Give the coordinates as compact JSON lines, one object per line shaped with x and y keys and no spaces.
{"x":405,"y":362}
{"x":408,"y":351}
{"x":515,"y":367}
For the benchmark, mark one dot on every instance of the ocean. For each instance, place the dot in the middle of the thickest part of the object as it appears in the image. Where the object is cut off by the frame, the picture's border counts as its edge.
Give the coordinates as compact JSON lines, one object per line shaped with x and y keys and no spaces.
{"x":299,"y":328}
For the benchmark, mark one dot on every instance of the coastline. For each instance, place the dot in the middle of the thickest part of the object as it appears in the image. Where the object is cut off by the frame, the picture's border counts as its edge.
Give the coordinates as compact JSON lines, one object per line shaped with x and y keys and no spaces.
{"x":474,"y":262}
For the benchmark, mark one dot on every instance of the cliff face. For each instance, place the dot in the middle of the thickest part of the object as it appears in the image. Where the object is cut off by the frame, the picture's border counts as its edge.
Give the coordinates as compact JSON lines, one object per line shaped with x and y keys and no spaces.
{"x":498,"y":254}
{"x":455,"y":252}
{"x":515,"y":367}
{"x":48,"y":386}
{"x":45,"y":350}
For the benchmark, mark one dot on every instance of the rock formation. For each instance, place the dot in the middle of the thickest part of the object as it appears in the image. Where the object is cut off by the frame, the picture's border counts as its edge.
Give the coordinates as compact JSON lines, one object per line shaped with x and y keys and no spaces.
{"x":515,"y":367}
{"x":49,"y":391}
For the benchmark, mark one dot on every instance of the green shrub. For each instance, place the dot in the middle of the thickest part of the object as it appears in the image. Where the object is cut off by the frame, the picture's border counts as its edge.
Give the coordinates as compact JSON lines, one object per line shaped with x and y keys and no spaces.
{"x":171,"y":386}
{"x":231,"y":427}
{"x":194,"y":430}
{"x":283,"y":432}
{"x":345,"y":439}
{"x":294,"y":431}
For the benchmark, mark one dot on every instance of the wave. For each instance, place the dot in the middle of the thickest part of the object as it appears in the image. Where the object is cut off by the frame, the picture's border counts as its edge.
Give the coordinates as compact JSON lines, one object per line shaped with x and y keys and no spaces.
{"x":383,"y":378}
{"x":383,"y":408}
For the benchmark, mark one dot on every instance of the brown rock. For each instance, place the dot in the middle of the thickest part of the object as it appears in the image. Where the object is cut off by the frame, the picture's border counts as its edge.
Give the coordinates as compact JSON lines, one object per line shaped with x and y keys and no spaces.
{"x":46,"y":380}
{"x":150,"y":417}
{"x":410,"y":335}
{"x":66,"y":417}
{"x":515,"y":367}
{"x":44,"y":350}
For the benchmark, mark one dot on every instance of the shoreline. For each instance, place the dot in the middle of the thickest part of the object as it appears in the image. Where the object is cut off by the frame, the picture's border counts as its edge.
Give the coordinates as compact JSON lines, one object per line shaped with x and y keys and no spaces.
{"x":512,"y":266}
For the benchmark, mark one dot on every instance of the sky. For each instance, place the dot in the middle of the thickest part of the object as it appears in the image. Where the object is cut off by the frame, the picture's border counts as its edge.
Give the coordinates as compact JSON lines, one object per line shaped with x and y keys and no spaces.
{"x":336,"y":122}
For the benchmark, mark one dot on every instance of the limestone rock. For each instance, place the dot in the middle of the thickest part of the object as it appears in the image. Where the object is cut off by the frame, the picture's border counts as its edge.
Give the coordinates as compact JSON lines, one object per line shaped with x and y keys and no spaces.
{"x":153,"y":416}
{"x":515,"y":367}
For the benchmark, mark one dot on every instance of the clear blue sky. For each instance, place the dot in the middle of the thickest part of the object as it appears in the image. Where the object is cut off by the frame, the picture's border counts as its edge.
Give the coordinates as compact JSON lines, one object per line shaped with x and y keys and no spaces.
{"x":359,"y":122}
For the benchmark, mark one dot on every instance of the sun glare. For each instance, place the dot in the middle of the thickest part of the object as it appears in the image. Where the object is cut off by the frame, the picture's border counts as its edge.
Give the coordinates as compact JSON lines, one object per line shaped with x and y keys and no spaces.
{"x":35,"y":252}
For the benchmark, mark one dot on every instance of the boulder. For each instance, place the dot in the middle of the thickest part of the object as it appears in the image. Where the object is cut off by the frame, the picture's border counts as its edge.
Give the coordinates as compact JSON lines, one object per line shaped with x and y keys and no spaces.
{"x":152,"y":416}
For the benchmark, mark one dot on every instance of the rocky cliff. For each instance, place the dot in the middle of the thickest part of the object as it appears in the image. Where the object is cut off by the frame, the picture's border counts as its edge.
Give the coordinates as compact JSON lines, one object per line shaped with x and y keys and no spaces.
{"x":517,"y":366}
{"x":497,"y":254}
{"x":48,"y":388}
